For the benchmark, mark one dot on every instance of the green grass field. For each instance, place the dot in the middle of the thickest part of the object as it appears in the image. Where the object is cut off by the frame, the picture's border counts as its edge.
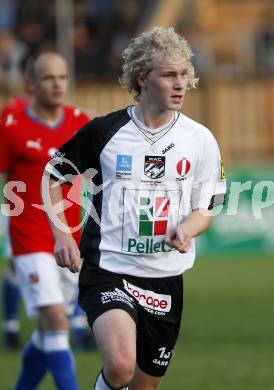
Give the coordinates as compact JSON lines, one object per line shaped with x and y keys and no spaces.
{"x":227,"y":334}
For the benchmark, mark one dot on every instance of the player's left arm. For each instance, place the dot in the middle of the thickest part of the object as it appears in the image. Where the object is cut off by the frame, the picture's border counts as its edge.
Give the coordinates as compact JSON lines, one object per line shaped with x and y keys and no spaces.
{"x":196,"y":223}
{"x":207,"y":192}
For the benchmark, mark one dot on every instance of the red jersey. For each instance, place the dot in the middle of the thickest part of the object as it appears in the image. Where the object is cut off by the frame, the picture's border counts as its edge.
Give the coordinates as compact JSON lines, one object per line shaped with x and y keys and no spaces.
{"x":27,"y":144}
{"x":13,"y":107}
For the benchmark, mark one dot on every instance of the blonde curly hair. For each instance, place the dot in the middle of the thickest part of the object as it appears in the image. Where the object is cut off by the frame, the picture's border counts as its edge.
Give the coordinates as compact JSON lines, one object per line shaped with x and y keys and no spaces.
{"x":142,"y":50}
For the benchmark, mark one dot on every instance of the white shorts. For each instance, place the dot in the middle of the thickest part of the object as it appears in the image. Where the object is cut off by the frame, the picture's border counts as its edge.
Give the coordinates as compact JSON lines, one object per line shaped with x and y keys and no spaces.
{"x":42,"y":282}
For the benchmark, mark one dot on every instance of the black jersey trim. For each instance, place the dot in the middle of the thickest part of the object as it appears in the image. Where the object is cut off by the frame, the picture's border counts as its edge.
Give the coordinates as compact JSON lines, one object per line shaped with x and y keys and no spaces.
{"x":105,"y":128}
{"x":217,"y":200}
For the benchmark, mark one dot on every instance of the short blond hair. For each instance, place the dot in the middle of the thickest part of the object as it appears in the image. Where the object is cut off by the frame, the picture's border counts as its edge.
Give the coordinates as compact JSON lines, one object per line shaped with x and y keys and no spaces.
{"x":142,"y":50}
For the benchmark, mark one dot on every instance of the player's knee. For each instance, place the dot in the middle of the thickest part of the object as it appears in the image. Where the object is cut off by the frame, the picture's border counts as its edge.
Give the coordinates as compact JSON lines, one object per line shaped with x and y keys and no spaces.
{"x":59,"y":323}
{"x":54,"y":318}
{"x":120,"y":370}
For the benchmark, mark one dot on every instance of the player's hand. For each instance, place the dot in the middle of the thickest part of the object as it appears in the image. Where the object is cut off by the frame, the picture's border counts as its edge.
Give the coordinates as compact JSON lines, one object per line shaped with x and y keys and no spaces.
{"x":179,"y":239}
{"x":67,"y":253}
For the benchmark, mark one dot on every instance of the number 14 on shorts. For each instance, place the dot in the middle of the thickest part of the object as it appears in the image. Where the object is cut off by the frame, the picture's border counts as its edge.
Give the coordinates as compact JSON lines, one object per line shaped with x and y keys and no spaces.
{"x":164,"y":354}
{"x":164,"y":357}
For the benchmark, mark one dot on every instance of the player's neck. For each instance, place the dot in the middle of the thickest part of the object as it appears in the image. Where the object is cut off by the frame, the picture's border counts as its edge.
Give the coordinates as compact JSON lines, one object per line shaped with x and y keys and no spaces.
{"x":50,"y":115}
{"x":151,"y":117}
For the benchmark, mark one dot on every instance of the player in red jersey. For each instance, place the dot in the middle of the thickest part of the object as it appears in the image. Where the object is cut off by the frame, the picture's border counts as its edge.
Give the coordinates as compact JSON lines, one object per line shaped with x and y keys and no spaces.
{"x":81,"y":335}
{"x":10,"y":290}
{"x":29,"y":140}
{"x":24,"y":156}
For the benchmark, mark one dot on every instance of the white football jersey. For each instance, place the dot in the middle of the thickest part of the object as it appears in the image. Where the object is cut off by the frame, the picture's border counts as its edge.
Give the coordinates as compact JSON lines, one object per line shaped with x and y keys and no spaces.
{"x":142,"y":187}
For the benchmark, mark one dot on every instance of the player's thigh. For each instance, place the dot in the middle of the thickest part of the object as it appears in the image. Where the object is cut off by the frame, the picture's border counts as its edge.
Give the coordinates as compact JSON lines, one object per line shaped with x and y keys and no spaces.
{"x":143,"y":381}
{"x":112,"y":315}
{"x":115,"y":335}
{"x":69,"y":287}
{"x":39,"y":281}
{"x":158,"y":325}
{"x":101,"y":291}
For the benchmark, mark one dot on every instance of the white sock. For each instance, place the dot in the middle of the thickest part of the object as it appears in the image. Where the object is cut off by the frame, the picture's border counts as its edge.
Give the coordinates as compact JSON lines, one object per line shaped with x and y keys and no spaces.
{"x":37,"y":339}
{"x":101,"y":384}
{"x":55,"y":341}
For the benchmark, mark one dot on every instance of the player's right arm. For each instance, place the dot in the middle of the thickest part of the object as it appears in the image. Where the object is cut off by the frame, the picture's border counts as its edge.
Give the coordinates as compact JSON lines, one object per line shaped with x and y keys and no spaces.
{"x":66,"y":251}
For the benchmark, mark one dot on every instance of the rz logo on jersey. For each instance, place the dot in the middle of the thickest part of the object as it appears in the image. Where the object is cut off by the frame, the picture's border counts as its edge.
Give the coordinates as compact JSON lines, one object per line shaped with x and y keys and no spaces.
{"x":153,"y":217}
{"x":154,"y":166}
{"x":183,"y":166}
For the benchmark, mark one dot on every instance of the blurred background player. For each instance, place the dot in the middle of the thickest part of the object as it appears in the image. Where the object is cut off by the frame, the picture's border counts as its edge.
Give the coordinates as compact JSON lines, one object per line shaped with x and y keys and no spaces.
{"x":80,"y":333}
{"x":10,"y":288}
{"x":23,"y":156}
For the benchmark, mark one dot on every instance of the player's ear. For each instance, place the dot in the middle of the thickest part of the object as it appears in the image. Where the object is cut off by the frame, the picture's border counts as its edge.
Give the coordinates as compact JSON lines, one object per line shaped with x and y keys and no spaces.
{"x":141,"y":79}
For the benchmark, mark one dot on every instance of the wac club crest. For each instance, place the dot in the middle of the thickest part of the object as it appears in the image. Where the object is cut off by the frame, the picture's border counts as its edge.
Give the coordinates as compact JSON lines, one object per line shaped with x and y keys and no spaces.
{"x":154,"y":166}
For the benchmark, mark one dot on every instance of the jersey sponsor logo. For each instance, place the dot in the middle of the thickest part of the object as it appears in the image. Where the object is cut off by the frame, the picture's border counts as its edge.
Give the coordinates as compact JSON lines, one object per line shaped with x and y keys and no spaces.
{"x":154,"y":167}
{"x":147,"y":215}
{"x":183,"y":166}
{"x":123,"y":166}
{"x":160,"y":362}
{"x":34,"y":144}
{"x":123,"y":163}
{"x":116,"y":295}
{"x":149,"y":299}
{"x":153,"y":216}
{"x":147,"y":246}
{"x":170,"y":146}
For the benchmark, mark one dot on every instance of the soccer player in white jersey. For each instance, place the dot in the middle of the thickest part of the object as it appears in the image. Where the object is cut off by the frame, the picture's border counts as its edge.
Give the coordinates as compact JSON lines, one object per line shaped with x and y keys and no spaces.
{"x":156,"y":175}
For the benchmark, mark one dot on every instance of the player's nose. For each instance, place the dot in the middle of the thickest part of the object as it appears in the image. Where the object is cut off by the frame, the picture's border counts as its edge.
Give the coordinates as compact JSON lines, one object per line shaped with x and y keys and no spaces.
{"x":178,"y":83}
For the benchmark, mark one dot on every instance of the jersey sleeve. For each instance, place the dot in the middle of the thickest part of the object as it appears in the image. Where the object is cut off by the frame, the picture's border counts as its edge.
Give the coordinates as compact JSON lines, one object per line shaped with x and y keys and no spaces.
{"x":209,"y":186}
{"x":74,"y":157}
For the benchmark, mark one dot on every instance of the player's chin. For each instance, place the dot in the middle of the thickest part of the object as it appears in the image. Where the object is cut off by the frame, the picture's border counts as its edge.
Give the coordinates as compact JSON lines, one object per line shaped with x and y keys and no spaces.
{"x":55,"y":103}
{"x":176,"y":106}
